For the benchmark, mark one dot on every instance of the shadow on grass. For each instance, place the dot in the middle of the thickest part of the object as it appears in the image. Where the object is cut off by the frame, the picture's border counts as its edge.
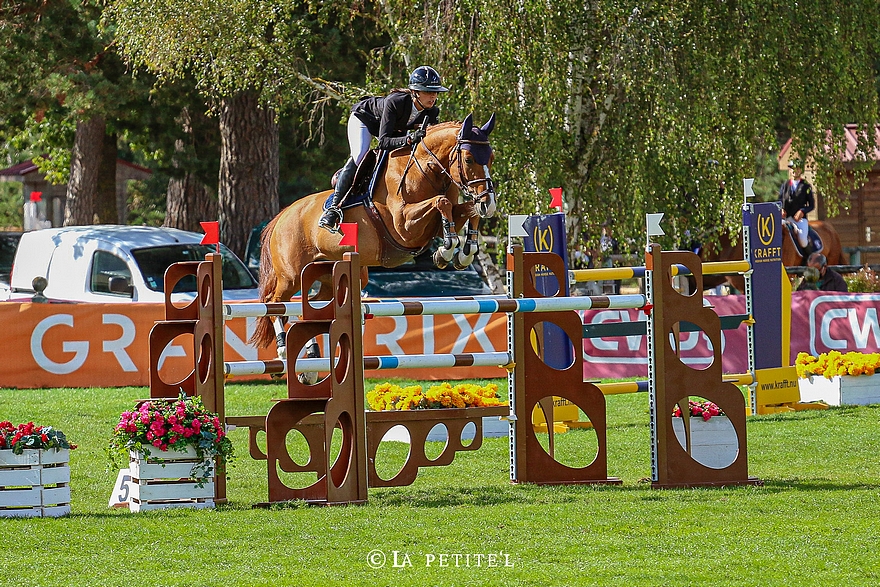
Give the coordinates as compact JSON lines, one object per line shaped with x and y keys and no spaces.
{"x":795,"y":484}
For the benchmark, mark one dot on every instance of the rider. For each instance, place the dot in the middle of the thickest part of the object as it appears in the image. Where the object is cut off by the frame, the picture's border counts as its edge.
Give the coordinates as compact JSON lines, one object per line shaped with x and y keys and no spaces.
{"x":796,"y":197}
{"x":387,"y":118}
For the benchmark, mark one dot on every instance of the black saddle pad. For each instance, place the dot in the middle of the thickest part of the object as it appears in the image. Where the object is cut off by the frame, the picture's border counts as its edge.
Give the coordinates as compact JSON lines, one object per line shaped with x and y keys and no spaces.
{"x":814,"y":239}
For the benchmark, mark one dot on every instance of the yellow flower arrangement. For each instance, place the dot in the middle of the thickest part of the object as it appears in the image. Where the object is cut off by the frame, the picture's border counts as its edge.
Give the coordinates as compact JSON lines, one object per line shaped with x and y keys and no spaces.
{"x":387,"y":396}
{"x":836,"y":363}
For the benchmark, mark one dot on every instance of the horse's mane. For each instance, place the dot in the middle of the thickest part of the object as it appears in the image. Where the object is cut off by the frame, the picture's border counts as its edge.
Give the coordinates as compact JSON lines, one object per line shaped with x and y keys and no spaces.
{"x":444,"y":126}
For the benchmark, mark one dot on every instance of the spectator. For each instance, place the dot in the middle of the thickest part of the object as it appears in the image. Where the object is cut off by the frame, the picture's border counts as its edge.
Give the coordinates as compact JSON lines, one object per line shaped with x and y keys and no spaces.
{"x":829,"y":279}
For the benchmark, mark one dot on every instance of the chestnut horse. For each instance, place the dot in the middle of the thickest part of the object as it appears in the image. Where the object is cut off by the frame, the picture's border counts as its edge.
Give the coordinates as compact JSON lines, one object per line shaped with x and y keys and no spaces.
{"x":415,"y":201}
{"x":725,"y":250}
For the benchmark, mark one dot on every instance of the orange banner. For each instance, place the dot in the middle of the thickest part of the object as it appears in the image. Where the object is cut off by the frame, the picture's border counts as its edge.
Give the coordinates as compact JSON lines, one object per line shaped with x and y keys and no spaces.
{"x":107,"y":345}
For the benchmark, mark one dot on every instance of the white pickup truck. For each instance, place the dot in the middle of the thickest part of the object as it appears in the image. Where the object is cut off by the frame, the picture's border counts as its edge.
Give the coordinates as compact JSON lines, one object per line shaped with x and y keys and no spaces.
{"x":112,"y":263}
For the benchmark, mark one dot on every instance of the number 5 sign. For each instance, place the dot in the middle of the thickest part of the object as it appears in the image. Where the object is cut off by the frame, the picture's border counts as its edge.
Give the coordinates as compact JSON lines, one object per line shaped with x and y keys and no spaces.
{"x":121,"y":491}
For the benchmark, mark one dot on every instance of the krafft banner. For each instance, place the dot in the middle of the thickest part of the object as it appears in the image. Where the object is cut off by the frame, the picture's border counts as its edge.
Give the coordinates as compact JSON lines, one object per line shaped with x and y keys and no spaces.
{"x":546,"y":234}
{"x":107,"y":345}
{"x":765,"y":238}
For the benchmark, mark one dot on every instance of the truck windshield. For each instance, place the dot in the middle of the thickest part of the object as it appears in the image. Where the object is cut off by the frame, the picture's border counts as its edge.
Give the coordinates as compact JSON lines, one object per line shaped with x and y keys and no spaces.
{"x":153,"y":262}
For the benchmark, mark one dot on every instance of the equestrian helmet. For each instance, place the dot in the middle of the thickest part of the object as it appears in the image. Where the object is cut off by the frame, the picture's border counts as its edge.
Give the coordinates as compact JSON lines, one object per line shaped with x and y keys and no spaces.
{"x":426,"y":79}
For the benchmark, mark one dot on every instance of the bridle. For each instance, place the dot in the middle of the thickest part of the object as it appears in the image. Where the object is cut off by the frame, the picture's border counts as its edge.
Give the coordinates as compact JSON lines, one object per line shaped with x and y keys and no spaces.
{"x":465,"y":187}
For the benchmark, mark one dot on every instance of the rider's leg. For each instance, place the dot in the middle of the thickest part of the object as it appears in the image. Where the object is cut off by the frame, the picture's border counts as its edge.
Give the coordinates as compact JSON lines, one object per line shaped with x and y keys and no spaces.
{"x":359,"y":143}
{"x":803,"y":228}
{"x":332,"y":216}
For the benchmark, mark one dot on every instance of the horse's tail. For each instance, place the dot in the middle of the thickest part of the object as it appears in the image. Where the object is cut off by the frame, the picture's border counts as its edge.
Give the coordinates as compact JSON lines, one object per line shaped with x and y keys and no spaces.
{"x":264,"y":334}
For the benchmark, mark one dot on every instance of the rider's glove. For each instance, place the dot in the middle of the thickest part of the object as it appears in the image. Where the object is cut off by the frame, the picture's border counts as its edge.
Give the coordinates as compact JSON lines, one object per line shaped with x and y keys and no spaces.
{"x":416,"y":136}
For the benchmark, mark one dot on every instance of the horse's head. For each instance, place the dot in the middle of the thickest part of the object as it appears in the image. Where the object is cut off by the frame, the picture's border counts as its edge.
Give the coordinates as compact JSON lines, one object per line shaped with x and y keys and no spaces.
{"x":475,"y":158}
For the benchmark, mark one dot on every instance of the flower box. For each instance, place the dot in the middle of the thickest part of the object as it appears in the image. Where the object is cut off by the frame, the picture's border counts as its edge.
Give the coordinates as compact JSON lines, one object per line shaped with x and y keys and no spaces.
{"x":841,"y":389}
{"x":35,"y":483}
{"x":713,"y":441}
{"x":169,"y":479}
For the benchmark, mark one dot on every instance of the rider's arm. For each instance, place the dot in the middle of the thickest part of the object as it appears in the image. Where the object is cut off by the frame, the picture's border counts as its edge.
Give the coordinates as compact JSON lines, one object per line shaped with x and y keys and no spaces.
{"x":394,"y":117}
{"x":810,"y":201}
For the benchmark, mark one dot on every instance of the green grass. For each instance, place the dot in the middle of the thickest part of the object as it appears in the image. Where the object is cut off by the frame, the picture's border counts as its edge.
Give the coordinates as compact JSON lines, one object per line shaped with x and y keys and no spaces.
{"x":813,"y":522}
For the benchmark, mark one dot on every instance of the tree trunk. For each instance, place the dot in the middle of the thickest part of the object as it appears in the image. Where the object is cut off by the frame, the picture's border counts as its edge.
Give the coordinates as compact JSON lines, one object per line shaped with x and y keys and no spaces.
{"x":84,"y":163}
{"x":189,"y":200}
{"x":106,"y":209}
{"x":248,"y":190}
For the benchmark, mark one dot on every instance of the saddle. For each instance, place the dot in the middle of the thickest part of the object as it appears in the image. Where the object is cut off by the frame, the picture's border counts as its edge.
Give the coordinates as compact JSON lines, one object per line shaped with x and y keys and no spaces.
{"x":372,"y":165}
{"x":814,"y":240}
{"x":361,"y":192}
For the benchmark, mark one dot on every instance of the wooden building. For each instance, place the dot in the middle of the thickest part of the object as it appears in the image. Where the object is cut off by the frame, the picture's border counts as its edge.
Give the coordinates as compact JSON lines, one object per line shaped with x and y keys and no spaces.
{"x":54,"y":197}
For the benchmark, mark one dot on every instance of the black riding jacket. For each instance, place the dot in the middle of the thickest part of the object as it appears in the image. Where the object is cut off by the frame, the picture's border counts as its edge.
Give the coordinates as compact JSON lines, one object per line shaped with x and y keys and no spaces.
{"x":798,"y":199}
{"x":386,"y":117}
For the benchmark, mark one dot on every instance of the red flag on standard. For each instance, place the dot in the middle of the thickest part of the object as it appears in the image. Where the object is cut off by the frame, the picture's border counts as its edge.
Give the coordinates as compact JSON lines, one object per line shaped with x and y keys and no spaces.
{"x":212,"y":233}
{"x":556,"y":198}
{"x":349,"y":232}
{"x":36,"y":196}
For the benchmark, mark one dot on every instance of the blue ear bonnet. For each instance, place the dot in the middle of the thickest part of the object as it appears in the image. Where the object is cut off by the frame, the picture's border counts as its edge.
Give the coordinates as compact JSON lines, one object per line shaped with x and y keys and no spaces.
{"x":476,"y":139}
{"x":482,"y":153}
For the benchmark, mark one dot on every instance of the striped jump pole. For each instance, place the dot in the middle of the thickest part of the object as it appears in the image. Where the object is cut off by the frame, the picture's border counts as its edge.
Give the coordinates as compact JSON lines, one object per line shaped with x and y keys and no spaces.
{"x":616,"y":273}
{"x":260,"y":309}
{"x":504,"y":305}
{"x":641,"y":386}
{"x":305,"y":365}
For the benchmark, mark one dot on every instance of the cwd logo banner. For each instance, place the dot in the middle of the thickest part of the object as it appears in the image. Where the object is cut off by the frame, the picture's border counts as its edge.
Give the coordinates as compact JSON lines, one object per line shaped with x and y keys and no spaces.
{"x":823,"y":322}
{"x":627,"y":356}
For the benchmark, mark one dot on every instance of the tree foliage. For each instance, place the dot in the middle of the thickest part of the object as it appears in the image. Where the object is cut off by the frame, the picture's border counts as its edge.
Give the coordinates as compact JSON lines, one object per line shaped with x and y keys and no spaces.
{"x":640,"y":107}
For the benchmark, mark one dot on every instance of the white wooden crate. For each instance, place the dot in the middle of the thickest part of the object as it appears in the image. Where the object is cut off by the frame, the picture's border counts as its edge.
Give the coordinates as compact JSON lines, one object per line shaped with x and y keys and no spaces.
{"x":714,"y":442}
{"x":34,"y":483}
{"x":841,"y":389}
{"x":163,"y":479}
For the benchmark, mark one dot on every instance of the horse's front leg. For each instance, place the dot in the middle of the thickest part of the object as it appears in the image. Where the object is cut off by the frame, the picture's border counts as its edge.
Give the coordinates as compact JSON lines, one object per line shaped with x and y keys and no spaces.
{"x":446,"y":251}
{"x":466,"y":255}
{"x":416,"y":218}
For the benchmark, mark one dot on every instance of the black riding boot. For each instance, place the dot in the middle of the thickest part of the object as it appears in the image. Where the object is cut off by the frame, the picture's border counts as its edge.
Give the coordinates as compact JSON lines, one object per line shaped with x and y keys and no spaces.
{"x":807,"y":250}
{"x":332,"y":216}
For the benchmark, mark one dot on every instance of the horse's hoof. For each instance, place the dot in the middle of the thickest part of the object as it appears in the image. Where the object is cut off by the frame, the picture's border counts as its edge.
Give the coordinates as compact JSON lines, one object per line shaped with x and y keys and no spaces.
{"x":462,"y":261}
{"x":439,"y":261}
{"x":276,"y":376}
{"x":282,"y":353}
{"x":307,"y":378}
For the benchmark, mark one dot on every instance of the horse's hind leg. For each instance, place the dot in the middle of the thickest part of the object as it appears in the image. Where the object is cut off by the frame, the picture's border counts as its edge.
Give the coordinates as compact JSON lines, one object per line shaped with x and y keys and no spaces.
{"x":284,"y":290}
{"x":280,"y":336}
{"x":313,"y":349}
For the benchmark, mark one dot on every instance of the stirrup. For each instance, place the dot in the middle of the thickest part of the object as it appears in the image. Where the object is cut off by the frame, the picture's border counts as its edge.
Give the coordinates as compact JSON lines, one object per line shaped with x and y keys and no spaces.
{"x":330,"y":219}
